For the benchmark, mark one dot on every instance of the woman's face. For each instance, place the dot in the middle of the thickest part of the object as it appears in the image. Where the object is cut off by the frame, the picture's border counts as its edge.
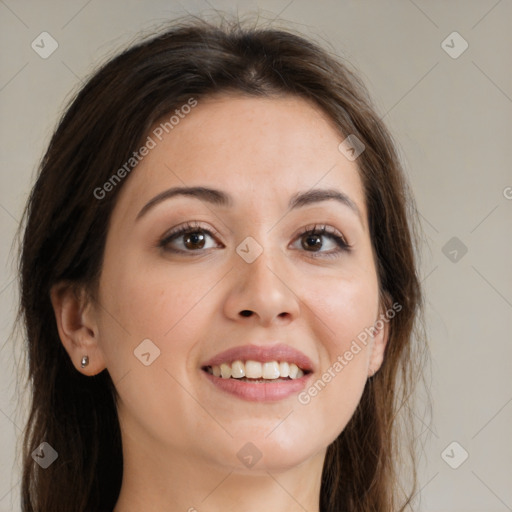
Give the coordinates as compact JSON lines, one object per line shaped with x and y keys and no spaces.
{"x":252,"y":275}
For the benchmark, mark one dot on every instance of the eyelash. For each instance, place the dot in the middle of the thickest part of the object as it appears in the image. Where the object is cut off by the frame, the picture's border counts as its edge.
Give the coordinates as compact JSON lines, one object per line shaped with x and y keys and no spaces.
{"x":333,"y":234}
{"x":322,"y":230}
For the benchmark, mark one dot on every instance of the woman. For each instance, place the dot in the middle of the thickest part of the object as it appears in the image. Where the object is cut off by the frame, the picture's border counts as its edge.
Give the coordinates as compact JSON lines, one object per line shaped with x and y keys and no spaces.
{"x":219,"y":286}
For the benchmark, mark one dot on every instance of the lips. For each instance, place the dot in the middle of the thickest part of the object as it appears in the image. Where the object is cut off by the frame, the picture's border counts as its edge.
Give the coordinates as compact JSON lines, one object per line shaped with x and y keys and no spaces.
{"x":263,"y":354}
{"x":259,"y":361}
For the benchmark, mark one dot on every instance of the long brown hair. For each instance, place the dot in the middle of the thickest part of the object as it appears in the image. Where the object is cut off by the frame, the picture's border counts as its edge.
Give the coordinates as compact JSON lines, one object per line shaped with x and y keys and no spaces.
{"x":66,"y":226}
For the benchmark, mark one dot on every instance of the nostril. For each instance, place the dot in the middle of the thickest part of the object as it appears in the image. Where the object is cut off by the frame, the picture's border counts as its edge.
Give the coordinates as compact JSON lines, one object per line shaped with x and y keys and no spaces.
{"x":246,"y":312}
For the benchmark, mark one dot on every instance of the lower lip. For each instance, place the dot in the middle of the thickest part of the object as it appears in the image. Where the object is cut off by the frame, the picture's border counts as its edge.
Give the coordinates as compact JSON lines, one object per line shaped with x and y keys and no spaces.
{"x":259,"y":391}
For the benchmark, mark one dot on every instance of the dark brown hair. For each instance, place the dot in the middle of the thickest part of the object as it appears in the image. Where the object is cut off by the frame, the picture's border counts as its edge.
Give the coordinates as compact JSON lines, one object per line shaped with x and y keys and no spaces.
{"x":66,"y":226}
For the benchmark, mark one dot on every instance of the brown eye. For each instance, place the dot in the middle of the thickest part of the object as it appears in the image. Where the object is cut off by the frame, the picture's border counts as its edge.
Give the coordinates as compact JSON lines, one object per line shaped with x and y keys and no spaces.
{"x":195,"y":240}
{"x":322,"y":241}
{"x":189,"y":239}
{"x":311,"y":242}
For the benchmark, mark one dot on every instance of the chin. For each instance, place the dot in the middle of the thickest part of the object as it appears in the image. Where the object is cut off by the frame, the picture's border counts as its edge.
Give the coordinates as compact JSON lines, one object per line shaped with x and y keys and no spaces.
{"x":277,"y":454}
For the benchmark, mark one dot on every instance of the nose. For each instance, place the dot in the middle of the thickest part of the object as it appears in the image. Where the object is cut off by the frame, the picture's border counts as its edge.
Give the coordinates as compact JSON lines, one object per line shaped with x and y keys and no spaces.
{"x":262,"y":292}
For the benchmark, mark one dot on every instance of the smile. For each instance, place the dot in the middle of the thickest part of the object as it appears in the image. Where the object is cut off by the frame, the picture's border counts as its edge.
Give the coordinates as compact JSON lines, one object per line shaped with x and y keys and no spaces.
{"x":259,"y":373}
{"x":256,"y":371}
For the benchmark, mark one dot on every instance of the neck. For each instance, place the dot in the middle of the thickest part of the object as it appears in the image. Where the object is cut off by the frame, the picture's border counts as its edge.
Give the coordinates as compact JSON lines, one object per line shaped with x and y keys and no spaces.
{"x":158,"y":482}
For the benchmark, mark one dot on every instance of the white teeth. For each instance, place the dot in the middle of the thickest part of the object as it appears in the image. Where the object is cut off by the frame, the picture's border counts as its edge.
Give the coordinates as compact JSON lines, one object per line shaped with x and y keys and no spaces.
{"x":294,"y":370}
{"x":238,"y":370}
{"x":253,"y":370}
{"x":270,"y":370}
{"x":284,"y":369}
{"x":225,"y":371}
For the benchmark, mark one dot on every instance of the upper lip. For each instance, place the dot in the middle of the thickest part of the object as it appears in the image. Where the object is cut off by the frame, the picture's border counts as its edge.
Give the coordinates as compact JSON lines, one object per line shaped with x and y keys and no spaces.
{"x":263,"y":353}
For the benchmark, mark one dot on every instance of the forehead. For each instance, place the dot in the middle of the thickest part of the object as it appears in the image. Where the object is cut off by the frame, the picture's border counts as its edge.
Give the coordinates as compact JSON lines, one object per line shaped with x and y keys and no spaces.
{"x":249,"y":146}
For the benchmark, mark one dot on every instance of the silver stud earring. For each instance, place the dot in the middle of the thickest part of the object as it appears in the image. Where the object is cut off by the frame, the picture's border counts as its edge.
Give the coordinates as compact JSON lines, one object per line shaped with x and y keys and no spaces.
{"x":85,"y":361}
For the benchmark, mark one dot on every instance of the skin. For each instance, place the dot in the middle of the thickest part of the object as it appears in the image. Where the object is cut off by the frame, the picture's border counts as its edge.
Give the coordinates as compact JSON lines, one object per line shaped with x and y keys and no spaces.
{"x":180,"y":434}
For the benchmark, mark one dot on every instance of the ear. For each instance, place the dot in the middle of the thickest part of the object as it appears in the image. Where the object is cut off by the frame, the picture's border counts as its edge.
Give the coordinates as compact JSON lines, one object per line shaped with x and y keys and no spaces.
{"x":381,"y":337}
{"x":76,"y":323}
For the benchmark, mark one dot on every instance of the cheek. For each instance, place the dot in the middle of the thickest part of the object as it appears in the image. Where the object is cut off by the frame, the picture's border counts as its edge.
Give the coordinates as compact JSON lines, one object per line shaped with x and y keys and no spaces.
{"x":171,"y":311}
{"x":157,"y":304}
{"x":332,"y":396}
{"x":345,"y":308}
{"x":150,"y":302}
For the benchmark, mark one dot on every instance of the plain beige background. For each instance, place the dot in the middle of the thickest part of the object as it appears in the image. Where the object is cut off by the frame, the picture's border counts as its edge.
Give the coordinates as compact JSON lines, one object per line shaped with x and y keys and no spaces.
{"x":452,"y":117}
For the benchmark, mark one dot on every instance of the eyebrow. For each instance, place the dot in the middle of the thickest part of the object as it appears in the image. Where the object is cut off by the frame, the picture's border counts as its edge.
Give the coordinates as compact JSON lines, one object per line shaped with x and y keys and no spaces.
{"x":219,"y":198}
{"x":322,"y":194}
{"x":210,"y":195}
